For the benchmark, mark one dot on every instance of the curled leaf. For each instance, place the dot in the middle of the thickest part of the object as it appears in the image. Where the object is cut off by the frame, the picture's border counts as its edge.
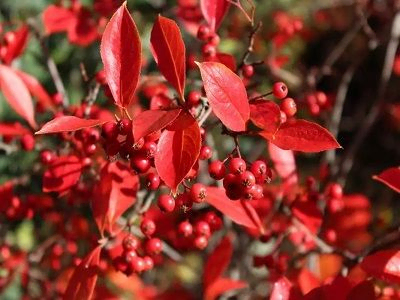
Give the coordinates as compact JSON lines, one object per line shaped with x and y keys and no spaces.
{"x":390,"y":177}
{"x":67,"y":123}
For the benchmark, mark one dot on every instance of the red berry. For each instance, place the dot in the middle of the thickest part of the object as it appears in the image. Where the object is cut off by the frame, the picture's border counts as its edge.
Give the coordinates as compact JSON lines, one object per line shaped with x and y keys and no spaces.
{"x":109,"y":131}
{"x":288,"y":106}
{"x":202,"y":228}
{"x":201,"y":242}
{"x":335,"y":205}
{"x":184,"y":201}
{"x":237,"y":165}
{"x":214,"y":39}
{"x":137,"y":264}
{"x":120,"y":264}
{"x":153,"y":246}
{"x":152,"y":181}
{"x":213,"y":220}
{"x":280,"y":90}
{"x":185,"y":228}
{"x":209,"y":50}
{"x":259,"y":168}
{"x":205,"y":153}
{"x":140,"y":164}
{"x":129,"y":255}
{"x":101,"y":77}
{"x":193,"y":98}
{"x":125,"y":126}
{"x":335,"y":190}
{"x":28,"y":142}
{"x":90,"y":149}
{"x":203,"y":32}
{"x":148,"y":263}
{"x":253,"y":192}
{"x":166,"y":203}
{"x":198,"y":192}
{"x":47,"y":157}
{"x":322,"y":99}
{"x":217,"y":169}
{"x":247,"y":179}
{"x":248,"y":71}
{"x":148,"y":227}
{"x":130,"y":242}
{"x":149,"y":149}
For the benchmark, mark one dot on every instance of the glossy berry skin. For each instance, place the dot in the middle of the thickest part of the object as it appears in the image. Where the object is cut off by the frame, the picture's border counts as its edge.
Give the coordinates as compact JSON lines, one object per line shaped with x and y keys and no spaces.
{"x":125,"y":126}
{"x":140,"y":164}
{"x":149,"y":149}
{"x":92,"y":135}
{"x":28,"y":142}
{"x":193,"y":98}
{"x":185,"y":229}
{"x":288,"y":106}
{"x":280,"y":90}
{"x":152,"y":181}
{"x":217,"y":169}
{"x":184,"y":201}
{"x":202,"y":228}
{"x":166,"y":203}
{"x":203,"y":32}
{"x":198,"y":192}
{"x":248,"y":71}
{"x":130,"y":242}
{"x":253,"y":192}
{"x":148,"y":263}
{"x":237,"y":165}
{"x":47,"y":157}
{"x":335,"y":190}
{"x":137,"y":264}
{"x":201,"y":242}
{"x":148,"y":227}
{"x":205,"y":152}
{"x":247,"y":179}
{"x":153,"y":246}
{"x":213,"y":220}
{"x":258,"y":168}
{"x":90,"y":149}
{"x":109,"y":131}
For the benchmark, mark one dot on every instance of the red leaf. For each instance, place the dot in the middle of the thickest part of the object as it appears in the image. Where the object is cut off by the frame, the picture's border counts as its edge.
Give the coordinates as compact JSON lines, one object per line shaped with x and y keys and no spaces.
{"x":308,"y":214}
{"x":228,"y":60}
{"x":307,"y":281}
{"x":57,"y":19}
{"x":18,"y":45}
{"x":121,"y":55}
{"x":363,"y":291}
{"x":284,"y":162}
{"x":16,"y":94}
{"x":83,"y":281}
{"x":62,"y":174}
{"x":390,"y":177}
{"x":217,"y":262}
{"x":222,"y":285}
{"x":226,"y":95}
{"x":36,"y":89}
{"x":283,"y":290}
{"x":302,"y":135}
{"x":67,"y":123}
{"x":13,"y":129}
{"x":83,"y":29}
{"x":114,"y":194}
{"x":169,"y":52}
{"x":214,"y":11}
{"x":178,"y":149}
{"x":151,"y":121}
{"x":233,"y":209}
{"x":384,"y":265}
{"x":266,"y":115}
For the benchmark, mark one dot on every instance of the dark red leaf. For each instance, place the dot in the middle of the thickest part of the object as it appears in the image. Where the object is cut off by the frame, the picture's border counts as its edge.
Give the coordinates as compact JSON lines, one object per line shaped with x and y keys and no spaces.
{"x":384,"y":265}
{"x":83,"y":30}
{"x":178,"y":149}
{"x":217,"y":262}
{"x":214,"y":11}
{"x":16,"y":94}
{"x":363,"y":291}
{"x":302,"y":135}
{"x":62,"y":174}
{"x":151,"y":121}
{"x":169,"y":52}
{"x":13,"y":129}
{"x":390,"y":177}
{"x":228,"y":60}
{"x":67,"y":123}
{"x":114,"y":194}
{"x":57,"y":19}
{"x":221,"y":286}
{"x":233,"y":209}
{"x":308,"y":214}
{"x":121,"y":55}
{"x":37,"y":90}
{"x":18,"y":45}
{"x":83,"y":281}
{"x":226,"y":95}
{"x":266,"y":115}
{"x":283,"y":290}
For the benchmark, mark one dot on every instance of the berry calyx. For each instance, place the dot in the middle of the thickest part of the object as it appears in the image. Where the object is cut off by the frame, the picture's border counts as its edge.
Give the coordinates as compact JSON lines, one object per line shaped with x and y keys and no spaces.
{"x":198,"y":192}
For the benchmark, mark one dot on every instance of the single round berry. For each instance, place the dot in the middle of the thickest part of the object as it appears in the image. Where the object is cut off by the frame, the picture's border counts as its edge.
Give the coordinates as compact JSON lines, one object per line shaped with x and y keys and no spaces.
{"x":166,"y":203}
{"x":185,"y":229}
{"x":137,"y":264}
{"x":153,"y":246}
{"x":148,"y":263}
{"x":130,"y":242}
{"x":247,"y":179}
{"x":120,"y":264}
{"x":214,"y":39}
{"x":201,"y":242}
{"x":335,"y":190}
{"x":253,"y":192}
{"x":237,"y":165}
{"x":129,"y":255}
{"x":248,"y":71}
{"x":205,"y":152}
{"x":184,"y":201}
{"x":47,"y":157}
{"x":140,"y":164}
{"x":193,"y":98}
{"x":280,"y":90}
{"x":90,"y":149}
{"x":202,"y":228}
{"x":203,"y":32}
{"x":213,"y":220}
{"x":149,"y":149}
{"x":152,"y":181}
{"x":109,"y":131}
{"x":288,"y":106}
{"x":125,"y":126}
{"x":92,"y":135}
{"x":217,"y":169}
{"x":28,"y":142}
{"x":209,"y":50}
{"x":258,"y":168}
{"x":148,"y":227}
{"x":198,"y":192}
{"x":322,"y":99}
